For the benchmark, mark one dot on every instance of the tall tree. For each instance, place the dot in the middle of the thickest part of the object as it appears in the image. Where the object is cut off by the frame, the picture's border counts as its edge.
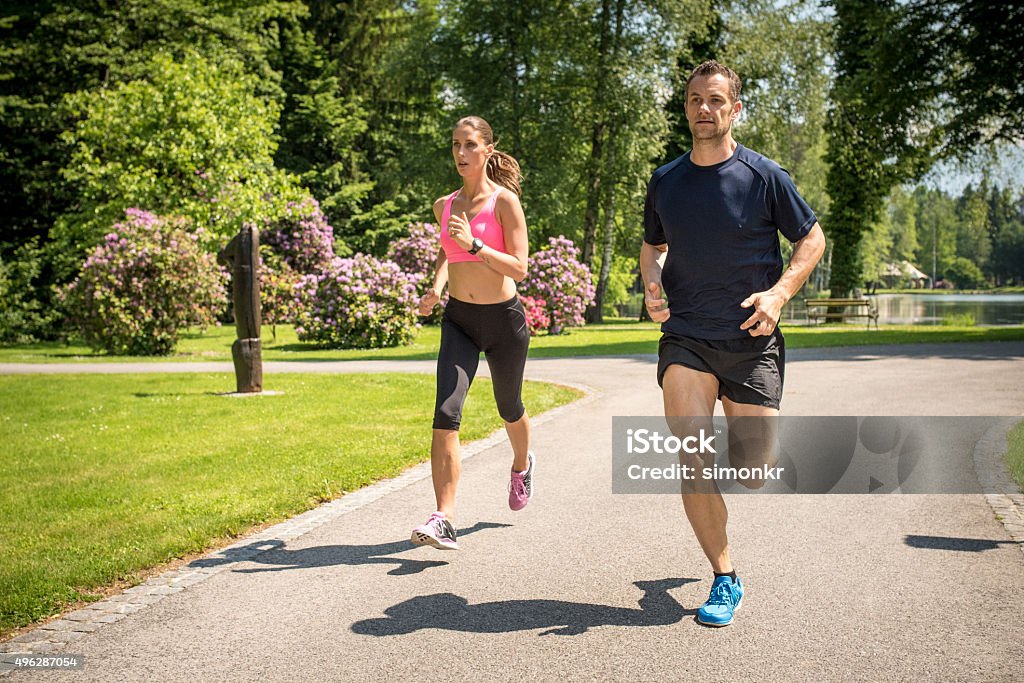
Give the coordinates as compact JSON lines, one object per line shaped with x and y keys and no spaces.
{"x":881,"y":129}
{"x":53,"y":48}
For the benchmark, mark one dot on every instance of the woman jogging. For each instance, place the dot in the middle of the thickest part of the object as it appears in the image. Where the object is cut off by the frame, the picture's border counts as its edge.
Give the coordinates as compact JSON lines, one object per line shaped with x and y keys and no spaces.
{"x":483,"y":254}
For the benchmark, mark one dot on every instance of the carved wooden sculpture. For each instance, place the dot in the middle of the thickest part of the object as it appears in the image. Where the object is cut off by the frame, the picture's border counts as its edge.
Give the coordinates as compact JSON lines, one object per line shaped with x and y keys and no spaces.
{"x":242,"y":255}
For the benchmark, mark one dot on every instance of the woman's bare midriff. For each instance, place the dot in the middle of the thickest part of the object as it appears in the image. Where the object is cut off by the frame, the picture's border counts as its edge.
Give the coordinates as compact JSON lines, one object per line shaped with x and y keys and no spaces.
{"x":476,"y":283}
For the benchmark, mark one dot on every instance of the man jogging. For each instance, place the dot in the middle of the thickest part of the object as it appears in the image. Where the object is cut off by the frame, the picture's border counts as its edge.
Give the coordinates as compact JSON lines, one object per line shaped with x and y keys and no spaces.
{"x":717,"y":212}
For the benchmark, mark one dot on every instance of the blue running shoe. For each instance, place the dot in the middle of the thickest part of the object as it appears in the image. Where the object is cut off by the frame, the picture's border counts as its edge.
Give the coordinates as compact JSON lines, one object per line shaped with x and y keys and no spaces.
{"x":725,"y":599}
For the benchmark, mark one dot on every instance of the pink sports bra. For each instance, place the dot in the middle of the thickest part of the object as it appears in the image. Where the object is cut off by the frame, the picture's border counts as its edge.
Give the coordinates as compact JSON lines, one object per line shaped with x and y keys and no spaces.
{"x":484,"y":225}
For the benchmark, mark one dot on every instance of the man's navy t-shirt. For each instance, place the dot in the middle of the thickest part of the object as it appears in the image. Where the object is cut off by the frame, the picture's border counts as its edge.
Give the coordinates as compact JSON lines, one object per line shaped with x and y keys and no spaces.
{"x":721,"y":223}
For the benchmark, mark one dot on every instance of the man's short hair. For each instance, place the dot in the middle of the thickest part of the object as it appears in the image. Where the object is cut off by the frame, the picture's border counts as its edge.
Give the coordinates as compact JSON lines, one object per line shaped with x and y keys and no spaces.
{"x":710,"y":68}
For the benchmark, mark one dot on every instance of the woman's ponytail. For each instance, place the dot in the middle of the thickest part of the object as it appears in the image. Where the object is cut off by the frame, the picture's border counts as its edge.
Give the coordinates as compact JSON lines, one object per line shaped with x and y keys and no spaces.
{"x":503,"y":169}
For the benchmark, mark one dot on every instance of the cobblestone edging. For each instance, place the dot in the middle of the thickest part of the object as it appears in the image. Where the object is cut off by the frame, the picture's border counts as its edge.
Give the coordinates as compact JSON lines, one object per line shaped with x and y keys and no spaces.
{"x":1002,"y":493}
{"x":55,"y":636}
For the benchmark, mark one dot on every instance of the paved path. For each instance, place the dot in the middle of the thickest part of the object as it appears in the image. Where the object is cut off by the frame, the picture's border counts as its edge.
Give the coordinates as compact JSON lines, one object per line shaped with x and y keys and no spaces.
{"x":587,"y":585}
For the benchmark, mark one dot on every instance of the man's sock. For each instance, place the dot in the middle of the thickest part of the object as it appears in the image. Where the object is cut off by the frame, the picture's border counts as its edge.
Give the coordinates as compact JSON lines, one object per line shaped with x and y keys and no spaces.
{"x":731,"y":575}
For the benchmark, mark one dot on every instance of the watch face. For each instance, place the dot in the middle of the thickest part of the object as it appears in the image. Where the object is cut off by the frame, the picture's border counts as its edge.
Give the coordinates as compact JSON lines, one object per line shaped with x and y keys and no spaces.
{"x":478,"y":244}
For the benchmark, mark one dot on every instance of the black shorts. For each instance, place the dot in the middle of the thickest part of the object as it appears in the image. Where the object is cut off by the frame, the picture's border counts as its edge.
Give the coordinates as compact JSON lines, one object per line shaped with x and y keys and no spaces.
{"x":749,"y":370}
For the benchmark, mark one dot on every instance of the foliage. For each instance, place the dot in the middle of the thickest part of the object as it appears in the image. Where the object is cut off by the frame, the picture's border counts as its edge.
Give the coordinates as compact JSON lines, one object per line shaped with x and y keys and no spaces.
{"x":778,"y":49}
{"x":192,"y":138}
{"x":278,"y":284}
{"x":149,"y":279}
{"x":964,"y":274}
{"x":557,"y":276}
{"x":882,"y":130}
{"x":417,"y":251}
{"x":416,"y":254}
{"x":54,"y":48}
{"x":536,"y":314}
{"x":359,"y":302}
{"x":301,"y":236}
{"x":25,"y":315}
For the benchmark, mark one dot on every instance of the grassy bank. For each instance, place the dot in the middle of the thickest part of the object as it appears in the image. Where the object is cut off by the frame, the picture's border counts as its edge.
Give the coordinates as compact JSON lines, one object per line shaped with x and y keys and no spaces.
{"x":1015,"y":454}
{"x":108,"y":475}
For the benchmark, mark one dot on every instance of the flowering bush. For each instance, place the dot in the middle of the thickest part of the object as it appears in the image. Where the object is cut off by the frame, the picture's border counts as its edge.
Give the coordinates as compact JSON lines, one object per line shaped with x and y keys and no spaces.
{"x":278,"y":283}
{"x":302,"y":237}
{"x":416,"y":254}
{"x":149,"y":278}
{"x":536,"y":317}
{"x":557,"y":276}
{"x":359,"y":302}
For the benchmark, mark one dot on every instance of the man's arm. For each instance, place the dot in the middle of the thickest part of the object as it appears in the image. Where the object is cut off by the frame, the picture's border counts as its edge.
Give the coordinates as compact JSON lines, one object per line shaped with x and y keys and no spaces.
{"x":768,"y":304}
{"x":650,"y":271}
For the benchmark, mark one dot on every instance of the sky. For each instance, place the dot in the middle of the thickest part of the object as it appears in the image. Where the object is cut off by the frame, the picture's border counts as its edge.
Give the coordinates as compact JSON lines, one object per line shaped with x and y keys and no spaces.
{"x":1006,"y":170}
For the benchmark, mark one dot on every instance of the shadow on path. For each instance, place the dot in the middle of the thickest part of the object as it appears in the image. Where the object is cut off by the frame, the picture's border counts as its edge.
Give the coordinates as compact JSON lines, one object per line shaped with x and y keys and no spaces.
{"x":970,"y":545}
{"x":274,"y":552}
{"x":454,"y":613}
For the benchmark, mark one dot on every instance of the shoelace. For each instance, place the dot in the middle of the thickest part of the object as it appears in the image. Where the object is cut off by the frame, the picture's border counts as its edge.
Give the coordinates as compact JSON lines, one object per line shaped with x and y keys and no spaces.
{"x":518,"y":485}
{"x":721,"y":595}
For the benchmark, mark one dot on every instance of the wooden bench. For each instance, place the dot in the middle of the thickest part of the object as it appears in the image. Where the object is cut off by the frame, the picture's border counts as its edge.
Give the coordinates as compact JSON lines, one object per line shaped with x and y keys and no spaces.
{"x":826,"y":309}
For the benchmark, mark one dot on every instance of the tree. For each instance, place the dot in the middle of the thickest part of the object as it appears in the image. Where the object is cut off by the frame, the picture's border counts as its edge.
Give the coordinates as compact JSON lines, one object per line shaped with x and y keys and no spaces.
{"x":916,"y":81}
{"x":192,"y":139}
{"x":881,"y":129}
{"x":53,"y":48}
{"x":937,"y":228}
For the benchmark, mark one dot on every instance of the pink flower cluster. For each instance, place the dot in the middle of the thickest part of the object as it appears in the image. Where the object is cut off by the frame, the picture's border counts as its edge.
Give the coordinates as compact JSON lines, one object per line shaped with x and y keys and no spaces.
{"x":359,"y":302}
{"x":536,"y":315}
{"x":558,"y":278}
{"x":147,"y":280}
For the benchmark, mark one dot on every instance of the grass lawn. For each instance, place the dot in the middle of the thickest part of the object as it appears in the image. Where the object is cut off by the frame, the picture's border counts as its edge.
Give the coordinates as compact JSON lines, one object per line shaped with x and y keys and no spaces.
{"x":1015,"y":454}
{"x":618,"y":337}
{"x":108,"y":475}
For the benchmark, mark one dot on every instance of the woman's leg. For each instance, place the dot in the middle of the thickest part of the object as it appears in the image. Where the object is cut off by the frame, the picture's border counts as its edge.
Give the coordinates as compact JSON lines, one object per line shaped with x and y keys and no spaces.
{"x":457,"y":362}
{"x":506,"y":357}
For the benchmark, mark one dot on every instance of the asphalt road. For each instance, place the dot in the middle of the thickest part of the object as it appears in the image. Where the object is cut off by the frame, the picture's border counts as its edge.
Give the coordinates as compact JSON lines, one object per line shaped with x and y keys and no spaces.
{"x":587,"y":585}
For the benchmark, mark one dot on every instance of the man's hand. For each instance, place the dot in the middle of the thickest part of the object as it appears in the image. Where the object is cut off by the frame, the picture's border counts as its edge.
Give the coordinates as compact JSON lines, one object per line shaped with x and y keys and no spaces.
{"x":767,"y":311}
{"x":657,"y":307}
{"x":429,"y":300}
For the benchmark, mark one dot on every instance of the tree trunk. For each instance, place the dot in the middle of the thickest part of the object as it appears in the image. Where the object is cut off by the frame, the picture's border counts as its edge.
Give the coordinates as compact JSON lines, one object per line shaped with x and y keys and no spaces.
{"x":597,"y":138}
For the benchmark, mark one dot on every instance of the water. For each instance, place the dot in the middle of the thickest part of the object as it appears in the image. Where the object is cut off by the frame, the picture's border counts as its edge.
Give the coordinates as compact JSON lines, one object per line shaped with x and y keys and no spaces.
{"x":930,"y":309}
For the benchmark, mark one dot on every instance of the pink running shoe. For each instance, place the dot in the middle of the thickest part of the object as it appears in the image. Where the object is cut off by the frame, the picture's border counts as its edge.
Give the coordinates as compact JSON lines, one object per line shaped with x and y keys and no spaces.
{"x":437,"y":532}
{"x":520,"y":489}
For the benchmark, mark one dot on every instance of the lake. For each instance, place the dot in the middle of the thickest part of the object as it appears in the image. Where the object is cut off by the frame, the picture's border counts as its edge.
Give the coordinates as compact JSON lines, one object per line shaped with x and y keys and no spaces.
{"x":929,"y":309}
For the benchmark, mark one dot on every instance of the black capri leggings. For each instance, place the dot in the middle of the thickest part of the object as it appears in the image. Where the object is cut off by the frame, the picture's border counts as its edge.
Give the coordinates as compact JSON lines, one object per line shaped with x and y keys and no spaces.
{"x":501,"y":333}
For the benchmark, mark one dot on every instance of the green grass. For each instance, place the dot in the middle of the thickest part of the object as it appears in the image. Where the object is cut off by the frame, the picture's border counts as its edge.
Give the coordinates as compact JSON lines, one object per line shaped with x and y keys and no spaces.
{"x":106,"y":476}
{"x":618,"y":337}
{"x":1015,"y":454}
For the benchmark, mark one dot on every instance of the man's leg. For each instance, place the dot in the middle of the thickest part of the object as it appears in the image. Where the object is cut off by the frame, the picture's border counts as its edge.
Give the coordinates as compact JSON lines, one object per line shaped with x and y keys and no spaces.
{"x":689,"y":404}
{"x":753,"y":437}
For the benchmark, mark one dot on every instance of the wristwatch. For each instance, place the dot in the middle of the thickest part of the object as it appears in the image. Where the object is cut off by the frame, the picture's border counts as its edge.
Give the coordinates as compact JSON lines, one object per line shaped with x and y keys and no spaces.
{"x":478,"y":244}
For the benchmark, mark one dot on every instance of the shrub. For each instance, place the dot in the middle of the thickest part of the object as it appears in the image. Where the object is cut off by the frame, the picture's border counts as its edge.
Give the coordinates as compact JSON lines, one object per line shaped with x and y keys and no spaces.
{"x":416,"y":254}
{"x":536,"y":317}
{"x":302,"y":237}
{"x":965,"y":274}
{"x":557,"y":276}
{"x":278,"y":283}
{"x":359,"y":302}
{"x":25,"y":311}
{"x":149,"y":278}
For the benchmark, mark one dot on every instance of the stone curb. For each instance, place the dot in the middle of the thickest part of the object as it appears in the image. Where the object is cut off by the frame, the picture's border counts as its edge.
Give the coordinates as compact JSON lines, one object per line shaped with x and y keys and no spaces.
{"x":57,"y":635}
{"x":1000,"y":490}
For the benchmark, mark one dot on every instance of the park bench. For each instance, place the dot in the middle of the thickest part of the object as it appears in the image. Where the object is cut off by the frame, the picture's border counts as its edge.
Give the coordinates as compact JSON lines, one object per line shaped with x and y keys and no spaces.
{"x":841,"y":309}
